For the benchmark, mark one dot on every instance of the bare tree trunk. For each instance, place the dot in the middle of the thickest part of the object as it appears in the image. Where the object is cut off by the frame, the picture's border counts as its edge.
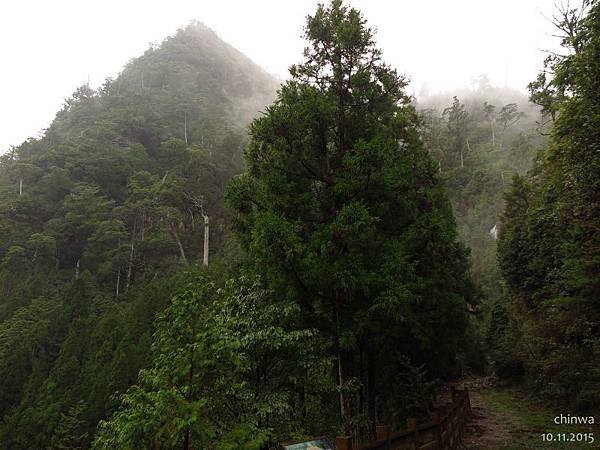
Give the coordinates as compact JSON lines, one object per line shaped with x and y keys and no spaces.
{"x":462,"y":161}
{"x":131,"y":253}
{"x":118,"y":283}
{"x":192,"y":218}
{"x":20,"y":186}
{"x":77,"y":270}
{"x":179,"y":245}
{"x":185,"y":127}
{"x":206,"y":236}
{"x":143,"y":230}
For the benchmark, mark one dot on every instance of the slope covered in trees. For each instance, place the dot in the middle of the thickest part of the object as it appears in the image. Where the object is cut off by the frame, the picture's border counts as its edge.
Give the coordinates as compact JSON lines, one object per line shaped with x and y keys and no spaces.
{"x":550,"y":240}
{"x":480,"y":138}
{"x":99,"y":218}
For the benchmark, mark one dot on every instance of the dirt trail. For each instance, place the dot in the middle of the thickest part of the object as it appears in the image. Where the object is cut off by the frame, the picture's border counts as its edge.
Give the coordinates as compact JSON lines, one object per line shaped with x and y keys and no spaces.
{"x":502,"y":420}
{"x":488,"y":429}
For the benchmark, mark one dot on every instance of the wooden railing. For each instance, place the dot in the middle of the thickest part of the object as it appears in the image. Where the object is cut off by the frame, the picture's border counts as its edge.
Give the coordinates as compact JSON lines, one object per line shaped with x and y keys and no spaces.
{"x":443,"y":431}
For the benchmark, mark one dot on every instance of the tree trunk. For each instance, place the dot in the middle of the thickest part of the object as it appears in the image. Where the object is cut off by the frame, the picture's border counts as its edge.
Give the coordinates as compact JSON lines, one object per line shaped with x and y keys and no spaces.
{"x":302,"y":405}
{"x":77,"y":270}
{"x":206,"y":236}
{"x":185,"y":128}
{"x":118,"y":283}
{"x":493,"y":135}
{"x":131,"y":253}
{"x":179,"y":245}
{"x":192,"y":219}
{"x":20,"y":186}
{"x":186,"y":439}
{"x":371,"y":393}
{"x":143,"y":230}
{"x":343,"y":358}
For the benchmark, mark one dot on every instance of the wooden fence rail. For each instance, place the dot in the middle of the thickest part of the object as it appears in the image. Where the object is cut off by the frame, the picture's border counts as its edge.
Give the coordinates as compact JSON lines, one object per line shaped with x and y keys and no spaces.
{"x":443,"y":431}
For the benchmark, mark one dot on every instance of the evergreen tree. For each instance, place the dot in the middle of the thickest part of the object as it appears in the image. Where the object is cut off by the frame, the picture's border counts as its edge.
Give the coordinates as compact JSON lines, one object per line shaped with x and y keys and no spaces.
{"x":341,"y":208}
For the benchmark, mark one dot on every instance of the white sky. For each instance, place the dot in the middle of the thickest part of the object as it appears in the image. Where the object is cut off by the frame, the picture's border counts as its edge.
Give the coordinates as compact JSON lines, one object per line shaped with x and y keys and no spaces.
{"x":48,"y":48}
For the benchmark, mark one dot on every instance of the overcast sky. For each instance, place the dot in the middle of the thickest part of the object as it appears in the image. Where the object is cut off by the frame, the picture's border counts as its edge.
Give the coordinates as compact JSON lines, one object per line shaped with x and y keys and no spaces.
{"x":48,"y":48}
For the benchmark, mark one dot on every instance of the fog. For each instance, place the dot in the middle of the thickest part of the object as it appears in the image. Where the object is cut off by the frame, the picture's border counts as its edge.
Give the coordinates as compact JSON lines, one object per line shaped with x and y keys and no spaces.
{"x":50,"y":48}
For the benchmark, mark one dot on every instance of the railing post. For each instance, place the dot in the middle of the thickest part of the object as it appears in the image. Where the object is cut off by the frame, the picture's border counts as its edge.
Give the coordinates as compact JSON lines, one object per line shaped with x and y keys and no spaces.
{"x":344,"y":443}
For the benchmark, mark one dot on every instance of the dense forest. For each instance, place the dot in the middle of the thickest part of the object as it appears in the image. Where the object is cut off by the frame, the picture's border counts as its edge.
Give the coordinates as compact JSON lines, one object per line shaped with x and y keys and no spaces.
{"x":549,"y":248}
{"x":196,"y":255}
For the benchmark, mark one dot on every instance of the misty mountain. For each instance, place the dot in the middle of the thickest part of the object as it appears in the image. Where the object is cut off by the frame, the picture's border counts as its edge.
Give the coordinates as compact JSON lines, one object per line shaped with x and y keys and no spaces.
{"x":112,"y":199}
{"x":177,"y":113}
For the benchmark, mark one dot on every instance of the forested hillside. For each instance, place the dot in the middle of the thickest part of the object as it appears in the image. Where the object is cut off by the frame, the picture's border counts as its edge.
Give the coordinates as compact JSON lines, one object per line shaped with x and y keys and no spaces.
{"x":480,"y":138}
{"x":550,"y":235}
{"x":198,"y":256}
{"x":99,"y":218}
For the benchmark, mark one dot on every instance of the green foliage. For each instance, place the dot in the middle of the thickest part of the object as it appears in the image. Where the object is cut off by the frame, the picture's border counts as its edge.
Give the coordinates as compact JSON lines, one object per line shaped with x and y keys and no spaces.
{"x":503,"y":341}
{"x":68,"y":435}
{"x":410,"y":394}
{"x":341,"y":209}
{"x":550,"y":237}
{"x":97,"y":218}
{"x":225,"y":362}
{"x":480,"y":142}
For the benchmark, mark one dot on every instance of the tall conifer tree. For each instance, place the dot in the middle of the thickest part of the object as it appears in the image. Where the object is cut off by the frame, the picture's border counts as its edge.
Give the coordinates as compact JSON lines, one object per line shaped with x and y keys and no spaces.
{"x":341,"y":208}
